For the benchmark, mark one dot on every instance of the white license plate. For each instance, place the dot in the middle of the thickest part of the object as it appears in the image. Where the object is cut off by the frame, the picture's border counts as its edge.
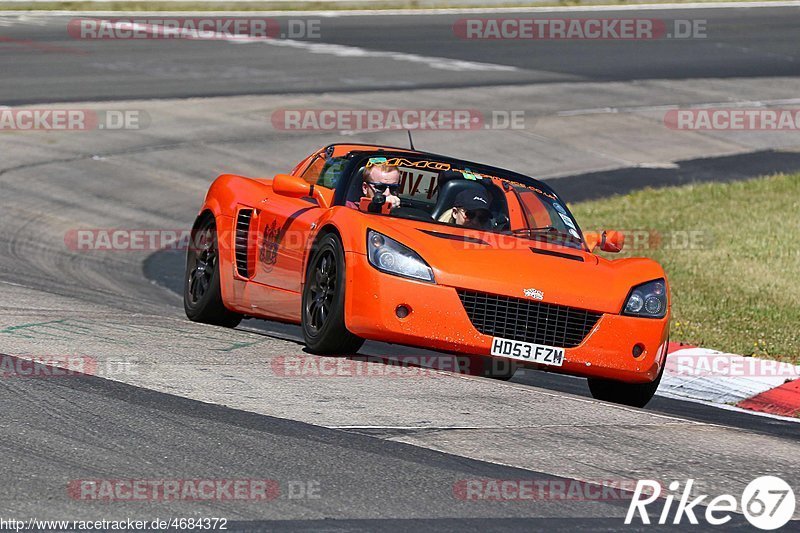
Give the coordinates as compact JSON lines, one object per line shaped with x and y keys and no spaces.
{"x":527,"y":351}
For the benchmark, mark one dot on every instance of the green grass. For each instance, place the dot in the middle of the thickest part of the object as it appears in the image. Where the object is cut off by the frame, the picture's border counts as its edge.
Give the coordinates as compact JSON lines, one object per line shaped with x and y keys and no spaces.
{"x":737,"y":287}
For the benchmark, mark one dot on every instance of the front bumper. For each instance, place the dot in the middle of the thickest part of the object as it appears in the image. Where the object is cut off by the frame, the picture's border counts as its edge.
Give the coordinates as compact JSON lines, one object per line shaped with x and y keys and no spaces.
{"x":439,"y":321}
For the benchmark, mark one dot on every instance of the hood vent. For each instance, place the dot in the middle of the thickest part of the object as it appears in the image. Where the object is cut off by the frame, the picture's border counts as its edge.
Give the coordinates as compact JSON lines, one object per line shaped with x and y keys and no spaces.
{"x":562,"y":255}
{"x":454,"y":237}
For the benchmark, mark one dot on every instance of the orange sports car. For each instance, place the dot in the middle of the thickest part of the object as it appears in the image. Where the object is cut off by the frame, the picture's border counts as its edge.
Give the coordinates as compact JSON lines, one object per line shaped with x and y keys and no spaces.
{"x":403,"y":246}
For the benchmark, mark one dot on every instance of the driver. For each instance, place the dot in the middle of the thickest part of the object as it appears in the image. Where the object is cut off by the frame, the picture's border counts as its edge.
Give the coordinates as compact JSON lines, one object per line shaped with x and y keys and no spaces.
{"x":380,"y":178}
{"x":471,"y":210}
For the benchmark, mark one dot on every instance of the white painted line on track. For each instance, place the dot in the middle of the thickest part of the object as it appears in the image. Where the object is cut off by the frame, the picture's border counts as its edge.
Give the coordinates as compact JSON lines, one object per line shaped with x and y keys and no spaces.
{"x":667,"y":107}
{"x":439,"y":63}
{"x":681,"y":422}
{"x":424,"y":11}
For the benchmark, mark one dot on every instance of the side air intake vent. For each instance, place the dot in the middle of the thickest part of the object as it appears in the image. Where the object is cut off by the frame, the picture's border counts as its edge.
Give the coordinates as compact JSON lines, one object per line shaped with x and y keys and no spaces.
{"x":242,"y":237}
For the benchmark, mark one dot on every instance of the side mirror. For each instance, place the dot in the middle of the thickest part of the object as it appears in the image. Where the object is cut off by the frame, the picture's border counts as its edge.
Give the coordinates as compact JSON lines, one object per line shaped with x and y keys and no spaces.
{"x":296,"y":187}
{"x":612,"y":241}
{"x":608,"y":241}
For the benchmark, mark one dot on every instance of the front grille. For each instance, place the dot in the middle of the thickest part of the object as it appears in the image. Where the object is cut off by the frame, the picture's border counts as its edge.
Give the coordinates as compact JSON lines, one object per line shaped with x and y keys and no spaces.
{"x":242,"y":236}
{"x":528,"y":321}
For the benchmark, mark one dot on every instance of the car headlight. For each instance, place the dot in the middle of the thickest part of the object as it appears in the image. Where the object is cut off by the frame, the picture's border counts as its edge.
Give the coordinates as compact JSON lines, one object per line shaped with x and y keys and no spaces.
{"x":647,"y":300}
{"x":388,"y":255}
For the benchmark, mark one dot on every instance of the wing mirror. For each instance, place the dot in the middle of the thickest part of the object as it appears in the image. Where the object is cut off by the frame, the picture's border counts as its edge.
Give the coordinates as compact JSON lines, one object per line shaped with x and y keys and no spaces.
{"x":296,"y":187}
{"x":608,"y":241}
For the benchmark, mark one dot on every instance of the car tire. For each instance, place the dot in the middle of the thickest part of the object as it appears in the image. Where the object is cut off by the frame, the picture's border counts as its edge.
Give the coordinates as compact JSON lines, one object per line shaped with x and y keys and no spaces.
{"x":322,"y":313}
{"x":202,"y":297}
{"x":632,"y":394}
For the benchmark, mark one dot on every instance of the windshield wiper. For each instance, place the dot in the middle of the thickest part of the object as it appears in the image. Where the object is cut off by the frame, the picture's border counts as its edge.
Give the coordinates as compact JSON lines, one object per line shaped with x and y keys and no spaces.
{"x":532,"y":230}
{"x":544,"y":231}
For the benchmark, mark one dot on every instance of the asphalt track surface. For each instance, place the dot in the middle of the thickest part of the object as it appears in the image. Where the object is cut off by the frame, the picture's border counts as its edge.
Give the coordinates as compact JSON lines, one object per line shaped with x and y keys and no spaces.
{"x":200,"y":403}
{"x":740,"y":43}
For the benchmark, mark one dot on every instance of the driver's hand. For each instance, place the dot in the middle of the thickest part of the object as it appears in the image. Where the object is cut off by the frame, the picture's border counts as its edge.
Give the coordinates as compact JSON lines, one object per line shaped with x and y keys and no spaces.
{"x":392,"y":201}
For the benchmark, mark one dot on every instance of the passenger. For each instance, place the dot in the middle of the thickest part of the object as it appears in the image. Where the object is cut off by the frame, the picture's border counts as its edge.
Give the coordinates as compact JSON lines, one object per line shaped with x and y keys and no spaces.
{"x":471,"y":210}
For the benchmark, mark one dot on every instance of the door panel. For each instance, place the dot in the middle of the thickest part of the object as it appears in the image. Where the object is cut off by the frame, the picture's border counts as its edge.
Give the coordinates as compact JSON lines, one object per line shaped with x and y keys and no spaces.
{"x":282,"y":231}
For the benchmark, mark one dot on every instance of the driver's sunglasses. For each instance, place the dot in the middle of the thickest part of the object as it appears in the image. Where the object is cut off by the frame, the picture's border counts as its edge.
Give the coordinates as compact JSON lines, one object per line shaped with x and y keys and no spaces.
{"x":381,"y":187}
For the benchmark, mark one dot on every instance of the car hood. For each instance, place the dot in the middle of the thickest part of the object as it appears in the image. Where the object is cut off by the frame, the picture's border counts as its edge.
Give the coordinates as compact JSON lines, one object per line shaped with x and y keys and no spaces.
{"x":511,"y":266}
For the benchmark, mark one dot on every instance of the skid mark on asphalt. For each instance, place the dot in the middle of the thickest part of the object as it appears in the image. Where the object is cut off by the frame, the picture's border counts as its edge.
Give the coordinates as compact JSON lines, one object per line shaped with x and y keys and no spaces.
{"x":69,"y":329}
{"x":235,"y":346}
{"x":32,"y":329}
{"x":40,"y":47}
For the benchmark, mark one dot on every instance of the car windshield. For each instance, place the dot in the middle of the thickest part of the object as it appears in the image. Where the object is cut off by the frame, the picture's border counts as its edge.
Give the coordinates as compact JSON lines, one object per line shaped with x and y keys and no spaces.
{"x":443,"y":192}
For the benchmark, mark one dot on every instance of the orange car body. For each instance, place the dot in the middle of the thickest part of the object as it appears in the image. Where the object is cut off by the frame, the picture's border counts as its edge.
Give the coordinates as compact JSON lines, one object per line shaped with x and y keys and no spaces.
{"x":263,"y":268}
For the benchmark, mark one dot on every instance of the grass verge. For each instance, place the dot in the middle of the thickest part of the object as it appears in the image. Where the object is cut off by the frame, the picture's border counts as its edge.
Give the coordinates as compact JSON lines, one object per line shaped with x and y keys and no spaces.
{"x":732,"y":255}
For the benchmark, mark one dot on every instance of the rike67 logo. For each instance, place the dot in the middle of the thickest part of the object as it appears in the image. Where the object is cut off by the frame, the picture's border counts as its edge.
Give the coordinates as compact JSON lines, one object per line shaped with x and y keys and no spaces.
{"x":767,"y":502}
